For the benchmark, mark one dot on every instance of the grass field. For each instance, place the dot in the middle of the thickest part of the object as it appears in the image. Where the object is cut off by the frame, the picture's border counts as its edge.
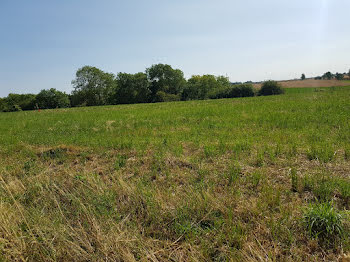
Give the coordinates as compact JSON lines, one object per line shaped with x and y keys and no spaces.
{"x":215,"y":180}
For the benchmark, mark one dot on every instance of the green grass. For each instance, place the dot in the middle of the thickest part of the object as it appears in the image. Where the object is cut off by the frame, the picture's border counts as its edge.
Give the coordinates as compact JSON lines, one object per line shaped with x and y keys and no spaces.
{"x":324,"y":223}
{"x":213,"y":180}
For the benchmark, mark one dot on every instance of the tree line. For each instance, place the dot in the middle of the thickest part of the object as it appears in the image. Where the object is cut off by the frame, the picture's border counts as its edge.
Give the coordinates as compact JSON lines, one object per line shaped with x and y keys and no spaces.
{"x":159,"y":83}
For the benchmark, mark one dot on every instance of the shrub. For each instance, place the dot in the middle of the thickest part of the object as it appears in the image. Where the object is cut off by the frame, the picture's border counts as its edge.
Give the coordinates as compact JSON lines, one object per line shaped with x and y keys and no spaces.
{"x":243,"y":90}
{"x":219,"y":93}
{"x":270,"y":88}
{"x":324,"y":222}
{"x":15,"y":108}
{"x":52,"y":98}
{"x":165,"y":97}
{"x":240,"y":90}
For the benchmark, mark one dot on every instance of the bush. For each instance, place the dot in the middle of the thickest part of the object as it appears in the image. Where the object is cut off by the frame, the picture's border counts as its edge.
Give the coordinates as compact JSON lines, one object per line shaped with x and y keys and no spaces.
{"x":243,"y":90}
{"x":219,"y":93}
{"x":270,"y":88}
{"x":52,"y":98}
{"x":324,"y":222}
{"x":165,"y":97}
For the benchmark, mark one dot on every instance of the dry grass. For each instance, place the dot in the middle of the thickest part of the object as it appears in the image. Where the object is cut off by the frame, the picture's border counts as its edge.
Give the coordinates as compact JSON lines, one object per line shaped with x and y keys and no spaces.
{"x":213,"y":183}
{"x":310,"y":83}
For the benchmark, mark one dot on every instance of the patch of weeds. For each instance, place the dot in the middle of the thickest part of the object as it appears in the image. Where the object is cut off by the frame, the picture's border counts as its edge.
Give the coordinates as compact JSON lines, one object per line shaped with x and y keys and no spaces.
{"x":104,"y":203}
{"x":259,"y":161}
{"x":240,"y":147}
{"x":323,"y":189}
{"x":324,"y":223}
{"x":271,"y":197}
{"x":295,"y":180}
{"x":32,"y":194}
{"x":324,"y":153}
{"x":233,"y":174}
{"x":80,"y":178}
{"x":55,"y":154}
{"x":200,"y":178}
{"x":347,"y":153}
{"x":125,"y":145}
{"x":234,"y":235}
{"x":343,"y":187}
{"x":28,"y":166}
{"x":195,"y":218}
{"x":255,"y":179}
{"x":280,"y":230}
{"x":120,"y":162}
{"x":292,"y":151}
{"x":209,"y":151}
{"x":308,"y":183}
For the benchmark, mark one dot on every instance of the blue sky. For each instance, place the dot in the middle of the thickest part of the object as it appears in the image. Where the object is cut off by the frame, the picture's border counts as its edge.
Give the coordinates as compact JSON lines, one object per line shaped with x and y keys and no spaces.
{"x":43,"y":43}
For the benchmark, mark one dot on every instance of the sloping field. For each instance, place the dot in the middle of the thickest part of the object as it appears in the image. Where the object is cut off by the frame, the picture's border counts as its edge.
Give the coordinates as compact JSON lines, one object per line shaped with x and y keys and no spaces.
{"x":245,"y":179}
{"x":311,"y":83}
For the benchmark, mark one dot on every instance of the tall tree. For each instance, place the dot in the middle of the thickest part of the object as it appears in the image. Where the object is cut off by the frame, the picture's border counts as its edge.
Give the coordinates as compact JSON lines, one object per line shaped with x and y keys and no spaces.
{"x":164,"y":78}
{"x":327,"y":75}
{"x":199,"y":87}
{"x":93,"y":87}
{"x":132,"y":88}
{"x":303,"y":77}
{"x":2,"y":104}
{"x":339,"y":76}
{"x":52,"y":98}
{"x":16,"y":102}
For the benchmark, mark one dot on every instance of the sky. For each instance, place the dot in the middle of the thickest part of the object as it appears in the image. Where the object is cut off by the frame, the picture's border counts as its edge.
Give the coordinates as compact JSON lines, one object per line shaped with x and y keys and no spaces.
{"x":43,"y":43}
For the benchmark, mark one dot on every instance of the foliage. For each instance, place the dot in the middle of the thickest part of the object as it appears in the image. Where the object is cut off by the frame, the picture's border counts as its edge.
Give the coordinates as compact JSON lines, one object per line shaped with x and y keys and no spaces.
{"x":165,"y":97}
{"x":270,"y":88}
{"x":18,"y":102}
{"x":339,"y":76}
{"x":132,"y":88}
{"x":164,"y":78}
{"x":327,"y":75}
{"x":3,"y":104}
{"x":238,"y":90}
{"x":93,"y":87}
{"x":159,"y":83}
{"x":324,"y":222}
{"x":303,"y":77}
{"x":243,"y":90}
{"x":204,"y":87}
{"x":52,"y":98}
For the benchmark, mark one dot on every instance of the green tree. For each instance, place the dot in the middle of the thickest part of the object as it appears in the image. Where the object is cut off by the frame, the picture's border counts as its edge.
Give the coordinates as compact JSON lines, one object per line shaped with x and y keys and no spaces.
{"x":339,"y":76}
{"x":17,"y":102}
{"x":52,"y":98}
{"x":270,"y":88}
{"x":203,"y":87}
{"x":132,"y":88}
{"x":303,"y":77}
{"x":3,"y":105}
{"x":349,"y":73}
{"x":93,"y":87}
{"x":327,"y":75}
{"x":164,"y":78}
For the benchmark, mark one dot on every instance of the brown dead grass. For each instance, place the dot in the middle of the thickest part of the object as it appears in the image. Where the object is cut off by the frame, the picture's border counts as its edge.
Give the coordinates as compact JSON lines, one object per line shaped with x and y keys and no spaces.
{"x":311,"y":83}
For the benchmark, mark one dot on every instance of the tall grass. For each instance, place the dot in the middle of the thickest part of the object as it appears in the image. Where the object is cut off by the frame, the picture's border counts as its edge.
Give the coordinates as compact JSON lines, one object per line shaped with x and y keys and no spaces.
{"x":213,"y":180}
